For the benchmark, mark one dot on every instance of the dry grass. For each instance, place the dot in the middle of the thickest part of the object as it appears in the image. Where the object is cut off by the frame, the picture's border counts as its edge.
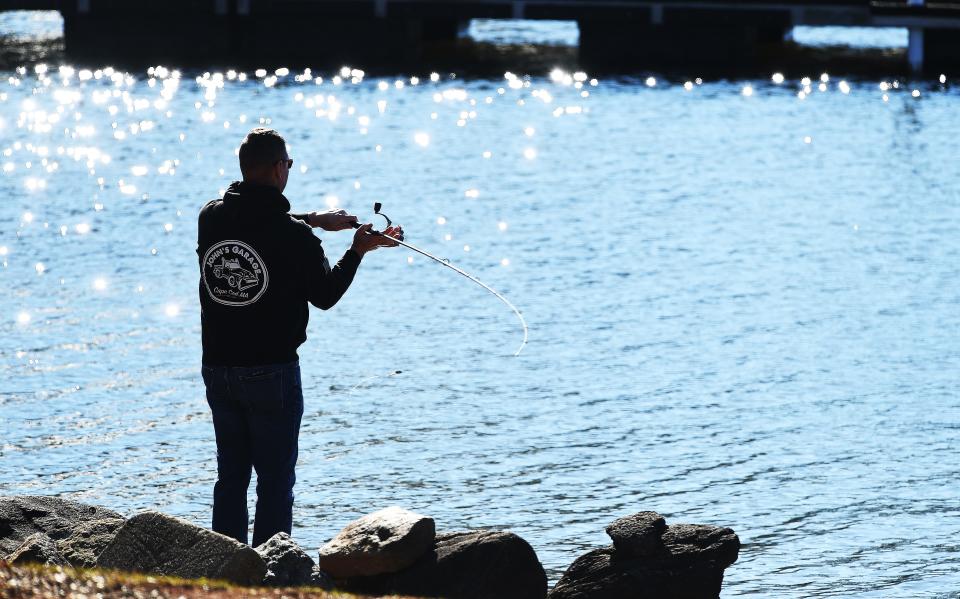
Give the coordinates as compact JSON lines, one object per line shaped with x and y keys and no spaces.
{"x":70,"y":583}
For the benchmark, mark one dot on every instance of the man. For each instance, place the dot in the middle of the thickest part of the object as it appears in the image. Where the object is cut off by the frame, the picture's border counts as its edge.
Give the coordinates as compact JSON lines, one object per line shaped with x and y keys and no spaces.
{"x":259,"y":267}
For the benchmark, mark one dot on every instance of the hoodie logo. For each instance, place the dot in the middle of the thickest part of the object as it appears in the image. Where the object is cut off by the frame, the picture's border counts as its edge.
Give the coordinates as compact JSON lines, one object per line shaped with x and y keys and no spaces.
{"x":234,"y":274}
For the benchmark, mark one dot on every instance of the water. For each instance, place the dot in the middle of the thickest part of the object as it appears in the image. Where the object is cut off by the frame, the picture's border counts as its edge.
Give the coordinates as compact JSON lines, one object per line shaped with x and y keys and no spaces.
{"x":742,"y":308}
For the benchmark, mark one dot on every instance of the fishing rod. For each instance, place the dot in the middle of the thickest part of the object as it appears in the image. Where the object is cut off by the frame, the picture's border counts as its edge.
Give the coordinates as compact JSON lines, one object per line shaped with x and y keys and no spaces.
{"x":444,"y":262}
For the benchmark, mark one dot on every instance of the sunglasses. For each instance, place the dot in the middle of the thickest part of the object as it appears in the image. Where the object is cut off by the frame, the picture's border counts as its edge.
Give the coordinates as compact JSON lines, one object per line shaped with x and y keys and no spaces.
{"x":289,"y":162}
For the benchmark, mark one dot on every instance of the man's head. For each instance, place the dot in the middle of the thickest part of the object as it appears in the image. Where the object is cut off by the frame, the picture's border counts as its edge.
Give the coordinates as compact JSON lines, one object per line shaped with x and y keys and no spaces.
{"x":264,"y":159}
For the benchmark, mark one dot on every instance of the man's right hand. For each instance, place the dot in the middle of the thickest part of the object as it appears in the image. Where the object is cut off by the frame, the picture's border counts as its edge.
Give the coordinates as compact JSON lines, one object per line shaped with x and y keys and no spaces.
{"x":364,"y":241}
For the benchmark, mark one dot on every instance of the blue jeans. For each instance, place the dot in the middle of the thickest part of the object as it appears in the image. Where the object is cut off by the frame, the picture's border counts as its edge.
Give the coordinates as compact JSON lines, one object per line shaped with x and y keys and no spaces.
{"x":256,"y":418}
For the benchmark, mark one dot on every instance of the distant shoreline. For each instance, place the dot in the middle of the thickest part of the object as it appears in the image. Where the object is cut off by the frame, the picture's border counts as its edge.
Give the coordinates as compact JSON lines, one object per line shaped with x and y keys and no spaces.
{"x":483,"y":59}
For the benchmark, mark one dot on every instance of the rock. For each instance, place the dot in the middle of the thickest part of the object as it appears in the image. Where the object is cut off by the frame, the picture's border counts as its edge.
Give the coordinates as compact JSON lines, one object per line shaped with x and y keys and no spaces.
{"x":384,"y":541}
{"x":155,"y":543}
{"x":600,"y":574}
{"x":38,"y":548}
{"x":637,"y":535}
{"x":698,"y":543}
{"x":88,"y":540}
{"x":466,"y":565}
{"x":57,"y":518}
{"x":476,"y":565}
{"x":319,"y":578}
{"x":689,"y":565}
{"x":287,"y":563}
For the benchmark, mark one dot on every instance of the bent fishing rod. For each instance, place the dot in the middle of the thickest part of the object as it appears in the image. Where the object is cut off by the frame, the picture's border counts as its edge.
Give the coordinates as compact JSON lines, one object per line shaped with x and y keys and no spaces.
{"x":444,"y":262}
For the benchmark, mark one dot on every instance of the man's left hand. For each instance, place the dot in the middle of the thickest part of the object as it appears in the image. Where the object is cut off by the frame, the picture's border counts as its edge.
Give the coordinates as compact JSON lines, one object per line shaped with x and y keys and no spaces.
{"x":334,"y":220}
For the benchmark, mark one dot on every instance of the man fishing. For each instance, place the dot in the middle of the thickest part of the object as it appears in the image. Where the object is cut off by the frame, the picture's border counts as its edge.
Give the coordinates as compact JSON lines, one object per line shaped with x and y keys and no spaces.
{"x":259,"y":267}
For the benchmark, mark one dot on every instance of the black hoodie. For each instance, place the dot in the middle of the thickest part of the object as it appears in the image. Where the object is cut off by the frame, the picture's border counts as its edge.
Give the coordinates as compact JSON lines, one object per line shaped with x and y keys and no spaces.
{"x":259,"y":266}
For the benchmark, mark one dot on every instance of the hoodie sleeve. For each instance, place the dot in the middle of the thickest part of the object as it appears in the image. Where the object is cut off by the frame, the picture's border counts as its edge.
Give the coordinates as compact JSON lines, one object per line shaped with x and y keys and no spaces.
{"x":325,"y":286}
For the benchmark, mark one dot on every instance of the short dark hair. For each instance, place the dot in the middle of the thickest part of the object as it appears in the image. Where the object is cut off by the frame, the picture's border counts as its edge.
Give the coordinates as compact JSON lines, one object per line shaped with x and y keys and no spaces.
{"x":261,"y":147}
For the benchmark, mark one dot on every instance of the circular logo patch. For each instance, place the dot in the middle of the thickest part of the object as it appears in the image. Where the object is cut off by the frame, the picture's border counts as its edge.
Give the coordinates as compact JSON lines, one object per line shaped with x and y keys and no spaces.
{"x":233,"y":273}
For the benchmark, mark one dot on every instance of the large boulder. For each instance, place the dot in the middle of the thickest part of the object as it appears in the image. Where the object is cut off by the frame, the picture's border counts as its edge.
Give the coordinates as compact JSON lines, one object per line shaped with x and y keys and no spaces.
{"x":88,"y":540}
{"x":385,"y":541}
{"x":288,"y":564}
{"x":38,"y":548}
{"x":466,"y":565}
{"x":155,"y":543}
{"x":57,"y":518}
{"x":686,"y":562}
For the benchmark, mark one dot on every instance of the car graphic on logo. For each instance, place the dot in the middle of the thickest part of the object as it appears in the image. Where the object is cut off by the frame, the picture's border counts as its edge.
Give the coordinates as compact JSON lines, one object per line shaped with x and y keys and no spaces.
{"x":237,"y":277}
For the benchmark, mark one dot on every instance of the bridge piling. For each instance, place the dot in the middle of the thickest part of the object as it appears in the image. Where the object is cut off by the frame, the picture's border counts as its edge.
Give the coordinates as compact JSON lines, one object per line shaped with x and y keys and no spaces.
{"x":915,"y":43}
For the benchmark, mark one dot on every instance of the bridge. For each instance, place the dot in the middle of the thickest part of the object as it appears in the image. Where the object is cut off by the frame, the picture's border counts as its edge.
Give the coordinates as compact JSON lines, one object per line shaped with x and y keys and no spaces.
{"x":623,"y":32}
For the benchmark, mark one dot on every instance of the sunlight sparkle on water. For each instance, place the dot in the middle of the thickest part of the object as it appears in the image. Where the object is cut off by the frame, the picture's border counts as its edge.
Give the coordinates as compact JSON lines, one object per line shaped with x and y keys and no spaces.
{"x":472,"y":193}
{"x":82,"y":228}
{"x":100,"y":284}
{"x":171,"y":310}
{"x":777,"y":78}
{"x":23,"y":318}
{"x":422,"y":139}
{"x":40,"y":268}
{"x":530,"y":153}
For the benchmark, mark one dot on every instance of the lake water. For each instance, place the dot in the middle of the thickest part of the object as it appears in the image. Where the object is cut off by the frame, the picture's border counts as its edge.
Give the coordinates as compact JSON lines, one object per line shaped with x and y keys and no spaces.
{"x":743,"y":307}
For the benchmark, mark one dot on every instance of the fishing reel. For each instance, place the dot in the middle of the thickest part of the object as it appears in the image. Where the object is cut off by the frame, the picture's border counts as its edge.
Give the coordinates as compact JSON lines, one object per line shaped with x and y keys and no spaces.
{"x":376,"y":210}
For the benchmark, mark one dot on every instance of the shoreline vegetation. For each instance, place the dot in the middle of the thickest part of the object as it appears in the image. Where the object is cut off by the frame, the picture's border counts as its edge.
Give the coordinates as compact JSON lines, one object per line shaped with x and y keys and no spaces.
{"x":34,"y":581}
{"x":53,"y":547}
{"x":484,"y":59}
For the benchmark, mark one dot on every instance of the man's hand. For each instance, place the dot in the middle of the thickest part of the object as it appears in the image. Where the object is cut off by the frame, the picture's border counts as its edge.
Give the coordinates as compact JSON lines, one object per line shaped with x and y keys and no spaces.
{"x":334,"y":220}
{"x":364,"y":241}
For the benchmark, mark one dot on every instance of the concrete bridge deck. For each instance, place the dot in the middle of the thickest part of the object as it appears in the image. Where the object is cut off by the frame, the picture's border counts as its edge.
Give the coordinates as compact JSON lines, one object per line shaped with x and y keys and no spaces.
{"x":622,"y":31}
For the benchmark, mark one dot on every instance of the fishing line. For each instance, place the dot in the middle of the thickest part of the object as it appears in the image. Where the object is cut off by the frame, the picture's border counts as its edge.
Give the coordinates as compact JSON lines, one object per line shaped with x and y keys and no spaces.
{"x":373,"y":378}
{"x":444,"y":262}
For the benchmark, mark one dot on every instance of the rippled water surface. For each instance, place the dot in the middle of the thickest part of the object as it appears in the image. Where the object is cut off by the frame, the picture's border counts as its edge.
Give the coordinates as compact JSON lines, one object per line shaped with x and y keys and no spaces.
{"x":743,"y":307}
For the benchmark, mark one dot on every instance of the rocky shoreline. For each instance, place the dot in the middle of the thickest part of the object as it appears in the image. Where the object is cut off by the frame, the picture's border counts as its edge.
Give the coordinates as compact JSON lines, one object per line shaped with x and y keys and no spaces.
{"x":392,"y":551}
